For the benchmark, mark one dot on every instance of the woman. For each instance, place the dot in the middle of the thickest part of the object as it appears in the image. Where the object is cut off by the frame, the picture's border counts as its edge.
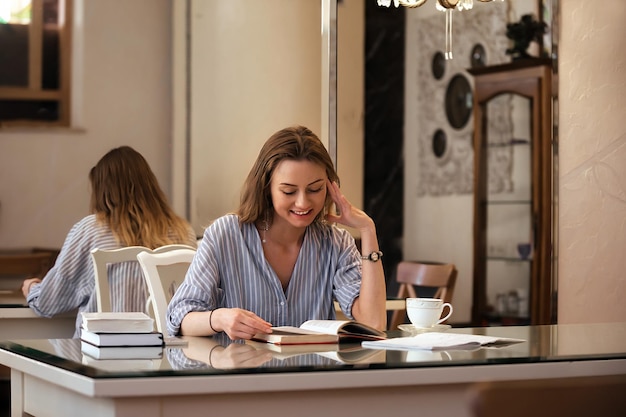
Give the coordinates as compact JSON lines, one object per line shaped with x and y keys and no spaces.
{"x":280,"y":260}
{"x":128,"y":209}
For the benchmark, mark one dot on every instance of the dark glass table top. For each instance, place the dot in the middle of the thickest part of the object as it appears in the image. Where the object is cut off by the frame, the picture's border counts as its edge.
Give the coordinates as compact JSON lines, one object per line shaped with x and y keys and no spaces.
{"x":218,"y":355}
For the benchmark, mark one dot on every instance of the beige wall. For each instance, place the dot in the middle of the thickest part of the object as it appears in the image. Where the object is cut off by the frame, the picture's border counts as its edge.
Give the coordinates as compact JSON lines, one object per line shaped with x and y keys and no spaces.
{"x":254,"y":81}
{"x":592,"y":171}
{"x":255,"y":68}
{"x":350,"y":98}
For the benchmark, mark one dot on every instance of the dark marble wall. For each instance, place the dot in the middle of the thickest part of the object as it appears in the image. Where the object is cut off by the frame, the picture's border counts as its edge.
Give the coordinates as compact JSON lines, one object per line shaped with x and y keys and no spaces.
{"x":384,"y":120}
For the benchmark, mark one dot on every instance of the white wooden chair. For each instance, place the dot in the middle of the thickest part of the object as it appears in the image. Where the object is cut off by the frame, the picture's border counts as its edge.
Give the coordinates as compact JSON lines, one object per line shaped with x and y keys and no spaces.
{"x":164,"y":272}
{"x":102,"y":257}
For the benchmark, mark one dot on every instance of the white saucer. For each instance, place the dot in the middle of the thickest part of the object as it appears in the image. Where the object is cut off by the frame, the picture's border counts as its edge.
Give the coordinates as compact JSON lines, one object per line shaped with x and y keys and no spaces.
{"x":414,"y":329}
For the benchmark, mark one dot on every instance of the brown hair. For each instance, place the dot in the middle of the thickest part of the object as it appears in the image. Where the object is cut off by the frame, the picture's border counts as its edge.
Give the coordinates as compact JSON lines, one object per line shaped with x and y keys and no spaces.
{"x":125,"y":195}
{"x":296,"y":143}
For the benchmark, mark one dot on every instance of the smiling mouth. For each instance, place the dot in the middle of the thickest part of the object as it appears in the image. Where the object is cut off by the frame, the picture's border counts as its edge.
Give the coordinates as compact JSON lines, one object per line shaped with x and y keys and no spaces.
{"x":301,"y":213}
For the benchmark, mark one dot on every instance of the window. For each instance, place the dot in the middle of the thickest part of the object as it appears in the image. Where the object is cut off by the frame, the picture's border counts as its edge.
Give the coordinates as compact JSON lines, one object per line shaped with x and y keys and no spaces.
{"x":35,"y":39}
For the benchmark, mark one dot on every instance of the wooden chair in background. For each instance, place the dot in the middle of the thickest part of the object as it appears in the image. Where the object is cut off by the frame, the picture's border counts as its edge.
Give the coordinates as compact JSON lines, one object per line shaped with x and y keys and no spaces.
{"x":164,"y":272}
{"x":440,"y":277}
{"x":102,"y":257}
{"x":559,"y":397}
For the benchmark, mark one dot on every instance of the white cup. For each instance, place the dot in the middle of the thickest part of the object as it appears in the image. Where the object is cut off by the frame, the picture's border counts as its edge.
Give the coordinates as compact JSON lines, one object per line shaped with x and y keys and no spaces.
{"x":426,"y":312}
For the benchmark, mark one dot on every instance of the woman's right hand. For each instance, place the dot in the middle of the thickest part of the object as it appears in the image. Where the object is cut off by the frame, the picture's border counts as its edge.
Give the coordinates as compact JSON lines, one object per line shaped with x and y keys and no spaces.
{"x":232,"y":356}
{"x":238,"y":323}
{"x":238,"y":355}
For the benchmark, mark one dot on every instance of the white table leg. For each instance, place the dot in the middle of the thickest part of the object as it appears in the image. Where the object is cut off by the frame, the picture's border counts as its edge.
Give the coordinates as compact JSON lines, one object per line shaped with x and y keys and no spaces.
{"x":17,"y":393}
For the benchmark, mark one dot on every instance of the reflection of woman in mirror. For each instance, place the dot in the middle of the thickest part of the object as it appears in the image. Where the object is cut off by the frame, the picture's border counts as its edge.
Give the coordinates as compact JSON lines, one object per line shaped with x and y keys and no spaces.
{"x":128,"y":209}
{"x":280,"y":260}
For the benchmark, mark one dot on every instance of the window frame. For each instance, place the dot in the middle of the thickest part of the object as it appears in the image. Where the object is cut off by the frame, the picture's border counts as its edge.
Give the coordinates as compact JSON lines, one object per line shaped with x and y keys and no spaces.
{"x":34,"y":89}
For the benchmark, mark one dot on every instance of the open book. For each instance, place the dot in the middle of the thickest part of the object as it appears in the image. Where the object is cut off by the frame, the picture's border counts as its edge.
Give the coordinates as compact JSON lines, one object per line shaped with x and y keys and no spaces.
{"x":440,"y":341}
{"x":321,"y":332}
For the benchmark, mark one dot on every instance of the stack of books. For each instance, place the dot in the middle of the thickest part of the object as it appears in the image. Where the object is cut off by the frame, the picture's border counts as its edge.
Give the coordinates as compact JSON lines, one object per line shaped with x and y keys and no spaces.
{"x":111,"y":335}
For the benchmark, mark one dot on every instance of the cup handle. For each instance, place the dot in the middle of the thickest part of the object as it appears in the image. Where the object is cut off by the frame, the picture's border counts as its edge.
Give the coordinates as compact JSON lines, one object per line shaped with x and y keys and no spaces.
{"x":447,"y":315}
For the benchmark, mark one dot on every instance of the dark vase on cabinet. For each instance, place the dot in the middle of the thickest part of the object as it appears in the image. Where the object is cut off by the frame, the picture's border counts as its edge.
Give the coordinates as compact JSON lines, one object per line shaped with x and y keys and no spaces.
{"x":513,"y":207}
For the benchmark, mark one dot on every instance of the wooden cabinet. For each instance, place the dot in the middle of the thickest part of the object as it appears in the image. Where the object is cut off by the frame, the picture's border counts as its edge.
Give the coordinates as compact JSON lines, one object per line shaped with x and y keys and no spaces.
{"x":513,"y":194}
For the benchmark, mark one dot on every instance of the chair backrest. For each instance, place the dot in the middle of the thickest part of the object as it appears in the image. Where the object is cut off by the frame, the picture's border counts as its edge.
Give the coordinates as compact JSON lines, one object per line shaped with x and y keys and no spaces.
{"x":102,"y":257}
{"x":164,"y":272}
{"x":571,"y":397}
{"x":409,"y":274}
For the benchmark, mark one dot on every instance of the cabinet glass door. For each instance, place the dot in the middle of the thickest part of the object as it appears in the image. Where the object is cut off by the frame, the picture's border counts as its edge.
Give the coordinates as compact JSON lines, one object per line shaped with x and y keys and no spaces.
{"x":508,"y":207}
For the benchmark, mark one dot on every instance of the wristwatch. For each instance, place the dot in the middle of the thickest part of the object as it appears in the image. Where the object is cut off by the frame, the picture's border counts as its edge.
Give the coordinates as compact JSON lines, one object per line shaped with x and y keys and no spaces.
{"x":374,"y":256}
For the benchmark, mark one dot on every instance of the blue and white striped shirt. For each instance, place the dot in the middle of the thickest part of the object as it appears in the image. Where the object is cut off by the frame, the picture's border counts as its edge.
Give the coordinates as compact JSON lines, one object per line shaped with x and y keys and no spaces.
{"x":230,"y":271}
{"x":70,"y":284}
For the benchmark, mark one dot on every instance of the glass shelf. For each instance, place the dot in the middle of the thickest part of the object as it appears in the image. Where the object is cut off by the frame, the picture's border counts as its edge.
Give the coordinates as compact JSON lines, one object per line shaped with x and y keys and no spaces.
{"x":512,"y":142}
{"x":507,"y":202}
{"x":507,"y":259}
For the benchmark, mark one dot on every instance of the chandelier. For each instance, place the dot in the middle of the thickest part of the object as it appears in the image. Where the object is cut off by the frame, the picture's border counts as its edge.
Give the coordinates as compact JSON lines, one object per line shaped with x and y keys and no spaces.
{"x":446,"y":6}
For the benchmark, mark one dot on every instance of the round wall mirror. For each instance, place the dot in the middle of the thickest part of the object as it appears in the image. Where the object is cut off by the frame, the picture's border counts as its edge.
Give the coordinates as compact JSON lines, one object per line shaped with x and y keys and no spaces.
{"x":459,"y":101}
{"x":440,"y":143}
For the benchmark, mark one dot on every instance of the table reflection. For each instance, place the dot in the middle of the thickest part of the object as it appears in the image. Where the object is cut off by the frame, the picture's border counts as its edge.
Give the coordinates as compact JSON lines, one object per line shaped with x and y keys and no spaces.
{"x":219,"y":352}
{"x":220,"y":355}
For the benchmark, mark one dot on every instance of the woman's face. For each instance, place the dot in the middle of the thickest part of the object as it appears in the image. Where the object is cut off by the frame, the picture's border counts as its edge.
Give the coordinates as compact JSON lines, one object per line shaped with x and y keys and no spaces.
{"x":298,"y":191}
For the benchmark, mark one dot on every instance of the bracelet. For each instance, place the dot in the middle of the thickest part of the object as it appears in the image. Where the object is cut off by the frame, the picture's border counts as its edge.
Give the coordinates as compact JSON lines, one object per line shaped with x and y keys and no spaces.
{"x":211,"y":352}
{"x":211,"y":325}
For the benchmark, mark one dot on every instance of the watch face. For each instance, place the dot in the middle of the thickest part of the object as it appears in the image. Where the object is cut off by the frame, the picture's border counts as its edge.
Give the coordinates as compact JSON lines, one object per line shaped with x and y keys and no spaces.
{"x":440,"y":142}
{"x":374,"y":256}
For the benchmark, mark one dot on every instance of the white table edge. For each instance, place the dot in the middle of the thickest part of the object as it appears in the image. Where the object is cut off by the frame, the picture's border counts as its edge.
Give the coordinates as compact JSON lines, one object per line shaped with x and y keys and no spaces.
{"x":315,"y":380}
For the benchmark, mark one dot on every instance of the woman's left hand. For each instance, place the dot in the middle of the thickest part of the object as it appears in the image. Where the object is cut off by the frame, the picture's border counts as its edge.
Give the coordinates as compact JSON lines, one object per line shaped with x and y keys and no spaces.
{"x":348,"y":215}
{"x":27,"y":284}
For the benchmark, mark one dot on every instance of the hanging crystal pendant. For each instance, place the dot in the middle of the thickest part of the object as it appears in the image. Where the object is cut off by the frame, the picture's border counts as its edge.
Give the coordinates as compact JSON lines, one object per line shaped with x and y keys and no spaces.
{"x":446,"y":6}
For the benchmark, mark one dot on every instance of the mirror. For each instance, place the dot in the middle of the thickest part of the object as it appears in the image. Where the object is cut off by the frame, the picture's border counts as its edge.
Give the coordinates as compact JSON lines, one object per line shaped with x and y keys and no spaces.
{"x":418,"y":203}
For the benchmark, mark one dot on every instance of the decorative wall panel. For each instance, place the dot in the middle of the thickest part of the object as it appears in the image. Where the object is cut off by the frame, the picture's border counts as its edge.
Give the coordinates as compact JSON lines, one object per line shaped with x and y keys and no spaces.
{"x":444,"y":99}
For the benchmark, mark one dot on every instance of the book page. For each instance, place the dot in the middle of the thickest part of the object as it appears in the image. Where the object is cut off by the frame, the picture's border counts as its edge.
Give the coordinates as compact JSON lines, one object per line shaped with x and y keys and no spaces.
{"x":291,"y":330}
{"x":439,"y":341}
{"x":324,"y":326}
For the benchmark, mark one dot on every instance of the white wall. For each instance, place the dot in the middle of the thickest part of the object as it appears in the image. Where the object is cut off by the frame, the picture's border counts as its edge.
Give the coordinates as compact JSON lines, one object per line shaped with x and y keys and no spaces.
{"x":125,"y":99}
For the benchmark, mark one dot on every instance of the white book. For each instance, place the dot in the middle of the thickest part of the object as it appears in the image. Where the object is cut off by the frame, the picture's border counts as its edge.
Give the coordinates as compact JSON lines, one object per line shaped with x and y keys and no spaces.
{"x":117,"y":322}
{"x":121,"y":352}
{"x":440,"y":341}
{"x":122,"y":339}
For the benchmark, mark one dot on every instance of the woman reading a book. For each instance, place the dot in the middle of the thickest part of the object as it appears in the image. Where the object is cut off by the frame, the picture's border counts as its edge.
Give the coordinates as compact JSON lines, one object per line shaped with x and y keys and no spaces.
{"x":280,"y":259}
{"x":128,"y":209}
